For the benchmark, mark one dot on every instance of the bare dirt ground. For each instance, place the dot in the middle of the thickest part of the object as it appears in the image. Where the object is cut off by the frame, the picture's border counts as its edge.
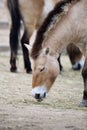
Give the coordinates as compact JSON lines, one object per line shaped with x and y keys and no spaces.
{"x":19,"y":111}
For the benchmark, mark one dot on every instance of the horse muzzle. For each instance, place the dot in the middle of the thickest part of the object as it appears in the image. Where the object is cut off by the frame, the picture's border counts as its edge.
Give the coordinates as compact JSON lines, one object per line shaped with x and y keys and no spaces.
{"x":39,"y":93}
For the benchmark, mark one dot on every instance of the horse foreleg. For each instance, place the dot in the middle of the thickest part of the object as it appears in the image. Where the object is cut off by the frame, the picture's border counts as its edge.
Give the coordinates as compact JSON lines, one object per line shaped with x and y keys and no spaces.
{"x":84,"y":75}
{"x":27,"y":64}
{"x":59,"y":61}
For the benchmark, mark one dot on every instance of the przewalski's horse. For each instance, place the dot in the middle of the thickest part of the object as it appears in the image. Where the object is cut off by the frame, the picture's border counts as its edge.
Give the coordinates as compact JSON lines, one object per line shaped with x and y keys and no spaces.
{"x":31,"y":13}
{"x":20,"y":10}
{"x":66,"y":23}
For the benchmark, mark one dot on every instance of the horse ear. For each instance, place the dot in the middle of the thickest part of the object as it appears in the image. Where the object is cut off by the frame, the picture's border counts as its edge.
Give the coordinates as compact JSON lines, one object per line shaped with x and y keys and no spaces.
{"x":29,"y":47}
{"x":31,"y":42}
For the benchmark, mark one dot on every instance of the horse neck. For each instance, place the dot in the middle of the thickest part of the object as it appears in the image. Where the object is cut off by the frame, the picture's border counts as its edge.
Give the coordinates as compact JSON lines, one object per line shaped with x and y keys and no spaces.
{"x":67,"y":29}
{"x":59,"y":37}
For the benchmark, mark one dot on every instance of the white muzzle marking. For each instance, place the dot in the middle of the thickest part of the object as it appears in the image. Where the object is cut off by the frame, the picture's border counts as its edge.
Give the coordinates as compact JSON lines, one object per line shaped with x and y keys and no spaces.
{"x":39,"y":90}
{"x":81,"y":62}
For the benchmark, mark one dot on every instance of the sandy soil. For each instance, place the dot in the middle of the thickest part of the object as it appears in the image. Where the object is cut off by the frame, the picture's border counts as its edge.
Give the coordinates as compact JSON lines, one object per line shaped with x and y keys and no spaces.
{"x":19,"y":111}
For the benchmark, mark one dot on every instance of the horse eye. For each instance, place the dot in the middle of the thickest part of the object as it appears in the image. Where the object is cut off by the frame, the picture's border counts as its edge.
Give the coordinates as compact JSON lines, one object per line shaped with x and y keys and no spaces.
{"x":41,"y":70}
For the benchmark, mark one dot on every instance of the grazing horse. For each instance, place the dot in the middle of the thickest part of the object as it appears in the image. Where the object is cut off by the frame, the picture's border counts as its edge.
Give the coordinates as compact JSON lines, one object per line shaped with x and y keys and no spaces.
{"x":31,"y":13}
{"x":20,"y":10}
{"x":66,"y":23}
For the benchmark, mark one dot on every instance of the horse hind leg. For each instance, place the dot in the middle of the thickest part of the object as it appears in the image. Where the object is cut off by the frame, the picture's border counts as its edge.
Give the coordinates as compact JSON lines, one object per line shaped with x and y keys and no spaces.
{"x":14,"y":32}
{"x":27,"y":64}
{"x":84,"y":75}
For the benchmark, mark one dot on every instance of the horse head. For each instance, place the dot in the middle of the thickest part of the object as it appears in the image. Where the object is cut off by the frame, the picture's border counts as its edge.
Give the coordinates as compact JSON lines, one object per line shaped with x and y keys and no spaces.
{"x":45,"y":70}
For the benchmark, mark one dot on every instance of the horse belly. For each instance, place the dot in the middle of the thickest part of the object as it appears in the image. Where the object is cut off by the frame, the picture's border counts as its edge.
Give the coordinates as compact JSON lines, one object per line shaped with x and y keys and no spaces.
{"x":31,"y":10}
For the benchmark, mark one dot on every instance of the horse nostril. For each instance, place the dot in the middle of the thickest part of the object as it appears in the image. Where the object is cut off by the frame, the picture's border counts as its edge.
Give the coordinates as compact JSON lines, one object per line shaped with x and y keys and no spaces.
{"x":79,"y":67}
{"x":37,"y":96}
{"x":44,"y":95}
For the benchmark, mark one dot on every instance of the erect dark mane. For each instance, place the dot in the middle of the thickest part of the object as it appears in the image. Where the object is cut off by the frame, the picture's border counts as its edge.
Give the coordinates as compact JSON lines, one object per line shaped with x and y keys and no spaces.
{"x":58,"y":9}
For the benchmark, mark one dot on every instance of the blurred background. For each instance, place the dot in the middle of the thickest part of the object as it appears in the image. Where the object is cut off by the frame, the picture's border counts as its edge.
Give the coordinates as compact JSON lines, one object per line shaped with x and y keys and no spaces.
{"x":3,"y":14}
{"x":4,"y":29}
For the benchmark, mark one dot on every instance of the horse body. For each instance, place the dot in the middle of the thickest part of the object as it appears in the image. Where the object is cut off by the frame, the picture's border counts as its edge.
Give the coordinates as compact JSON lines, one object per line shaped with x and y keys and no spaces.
{"x":31,"y":13}
{"x":34,"y":12}
{"x":67,"y":24}
{"x":70,"y":29}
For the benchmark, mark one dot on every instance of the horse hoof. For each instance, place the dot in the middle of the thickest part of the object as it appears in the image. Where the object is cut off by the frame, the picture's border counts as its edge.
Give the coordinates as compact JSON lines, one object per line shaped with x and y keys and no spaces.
{"x":83,"y":103}
{"x":13,"y":69}
{"x":39,"y":100}
{"x":29,"y":71}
